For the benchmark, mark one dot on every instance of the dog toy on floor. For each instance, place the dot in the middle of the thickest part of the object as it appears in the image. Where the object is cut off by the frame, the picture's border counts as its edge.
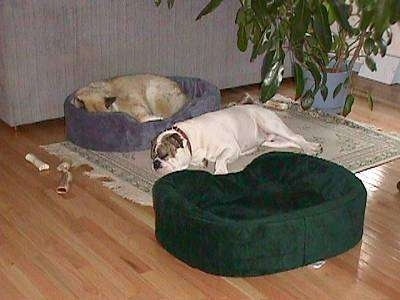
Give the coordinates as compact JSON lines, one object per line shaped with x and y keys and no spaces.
{"x":66,"y":178}
{"x":37,"y":162}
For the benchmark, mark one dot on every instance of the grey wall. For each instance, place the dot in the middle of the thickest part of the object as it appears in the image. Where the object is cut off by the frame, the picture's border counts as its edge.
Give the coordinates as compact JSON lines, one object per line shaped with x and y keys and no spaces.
{"x":48,"y":48}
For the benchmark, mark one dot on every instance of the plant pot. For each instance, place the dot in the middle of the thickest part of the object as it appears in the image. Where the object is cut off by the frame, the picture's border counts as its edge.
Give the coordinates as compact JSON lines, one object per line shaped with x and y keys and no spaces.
{"x":332,"y":104}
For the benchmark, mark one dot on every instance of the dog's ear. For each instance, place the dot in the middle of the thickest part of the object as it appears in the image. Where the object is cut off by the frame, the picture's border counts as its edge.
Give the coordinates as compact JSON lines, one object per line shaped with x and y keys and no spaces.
{"x":153,"y":148}
{"x":108,"y":101}
{"x":176,"y":140}
{"x":78,"y":103}
{"x":98,"y":85}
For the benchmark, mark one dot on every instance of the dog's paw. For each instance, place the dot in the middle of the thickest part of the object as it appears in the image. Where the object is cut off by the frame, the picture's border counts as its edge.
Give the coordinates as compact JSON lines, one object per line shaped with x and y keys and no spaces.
{"x":221,"y":170}
{"x":313,"y":149}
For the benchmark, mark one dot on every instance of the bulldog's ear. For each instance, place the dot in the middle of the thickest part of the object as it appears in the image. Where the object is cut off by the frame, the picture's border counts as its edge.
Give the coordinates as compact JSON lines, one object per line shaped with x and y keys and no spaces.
{"x":153,"y":148}
{"x":108,"y":101}
{"x":176,"y":140}
{"x":78,"y":103}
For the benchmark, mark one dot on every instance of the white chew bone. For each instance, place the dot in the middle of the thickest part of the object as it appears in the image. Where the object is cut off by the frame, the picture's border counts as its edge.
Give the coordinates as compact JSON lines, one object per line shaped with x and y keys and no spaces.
{"x":276,"y":105}
{"x":36,"y":162}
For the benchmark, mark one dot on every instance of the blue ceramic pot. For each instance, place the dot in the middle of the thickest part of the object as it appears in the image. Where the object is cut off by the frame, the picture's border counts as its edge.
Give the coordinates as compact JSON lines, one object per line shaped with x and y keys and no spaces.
{"x":330,"y":105}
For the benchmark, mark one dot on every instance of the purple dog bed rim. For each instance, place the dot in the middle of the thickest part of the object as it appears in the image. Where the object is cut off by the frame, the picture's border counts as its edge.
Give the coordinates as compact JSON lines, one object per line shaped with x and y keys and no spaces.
{"x":118,"y":132}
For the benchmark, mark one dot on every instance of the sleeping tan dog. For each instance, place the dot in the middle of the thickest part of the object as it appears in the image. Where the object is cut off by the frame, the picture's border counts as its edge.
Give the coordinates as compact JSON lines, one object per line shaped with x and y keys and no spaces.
{"x":144,"y":97}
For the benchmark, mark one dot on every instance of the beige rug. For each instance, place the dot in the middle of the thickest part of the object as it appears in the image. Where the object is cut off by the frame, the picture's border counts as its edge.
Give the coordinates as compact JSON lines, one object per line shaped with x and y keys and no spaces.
{"x":347,"y":143}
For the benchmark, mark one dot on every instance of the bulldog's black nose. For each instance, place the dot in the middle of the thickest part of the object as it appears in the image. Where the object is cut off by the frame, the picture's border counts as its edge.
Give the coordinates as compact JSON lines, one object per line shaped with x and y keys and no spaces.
{"x":156,"y":164}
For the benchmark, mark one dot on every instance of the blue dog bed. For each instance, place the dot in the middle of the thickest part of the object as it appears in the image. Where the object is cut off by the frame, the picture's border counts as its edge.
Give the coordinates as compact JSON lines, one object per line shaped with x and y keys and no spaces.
{"x":121,"y":133}
{"x":283,"y":211}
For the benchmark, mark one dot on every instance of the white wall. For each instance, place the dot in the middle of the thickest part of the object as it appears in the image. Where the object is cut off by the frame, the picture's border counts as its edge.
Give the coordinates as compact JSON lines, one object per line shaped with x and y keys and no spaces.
{"x":394,"y":48}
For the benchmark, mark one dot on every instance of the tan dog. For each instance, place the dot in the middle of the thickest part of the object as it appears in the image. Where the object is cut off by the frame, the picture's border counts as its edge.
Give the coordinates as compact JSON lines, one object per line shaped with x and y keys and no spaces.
{"x":144,"y":97}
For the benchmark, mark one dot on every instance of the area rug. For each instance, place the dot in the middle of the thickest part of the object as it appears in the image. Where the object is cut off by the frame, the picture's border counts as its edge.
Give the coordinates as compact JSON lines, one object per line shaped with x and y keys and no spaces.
{"x":350,"y":144}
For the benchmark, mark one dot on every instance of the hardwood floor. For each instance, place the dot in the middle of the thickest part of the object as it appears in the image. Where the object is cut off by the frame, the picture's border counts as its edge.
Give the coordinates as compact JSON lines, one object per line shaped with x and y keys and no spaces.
{"x":91,"y":243}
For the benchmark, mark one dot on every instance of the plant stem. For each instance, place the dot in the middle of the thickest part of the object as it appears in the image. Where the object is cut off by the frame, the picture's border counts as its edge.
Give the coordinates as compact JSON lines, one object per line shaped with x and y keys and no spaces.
{"x":341,"y":56}
{"x":357,"y":51}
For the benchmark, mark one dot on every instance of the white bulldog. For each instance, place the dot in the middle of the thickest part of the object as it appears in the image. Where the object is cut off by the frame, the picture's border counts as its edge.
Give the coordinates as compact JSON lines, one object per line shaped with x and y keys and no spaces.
{"x":222,"y":137}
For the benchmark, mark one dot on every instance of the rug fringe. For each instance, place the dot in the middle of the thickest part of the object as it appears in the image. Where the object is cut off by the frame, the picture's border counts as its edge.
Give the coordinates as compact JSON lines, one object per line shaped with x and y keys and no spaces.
{"x":122,"y":188}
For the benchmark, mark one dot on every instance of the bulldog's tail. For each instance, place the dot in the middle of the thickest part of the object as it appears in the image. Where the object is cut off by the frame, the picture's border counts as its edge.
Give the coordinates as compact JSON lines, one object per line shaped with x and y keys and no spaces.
{"x":272,"y":104}
{"x":249,"y":99}
{"x":277,"y":104}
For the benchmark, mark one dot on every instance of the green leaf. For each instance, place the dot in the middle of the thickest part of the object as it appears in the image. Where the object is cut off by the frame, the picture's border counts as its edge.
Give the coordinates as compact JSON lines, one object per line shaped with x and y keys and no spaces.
{"x":272,"y":73}
{"x":263,"y":43}
{"x":381,"y":17}
{"x":382,"y":49}
{"x":299,"y":79}
{"x":307,"y":100}
{"x":341,"y":13}
{"x":157,"y":2}
{"x":300,"y":20}
{"x":170,"y":3}
{"x":241,"y":16}
{"x":370,"y":102}
{"x":298,"y":52}
{"x":348,"y":104}
{"x":210,"y":7}
{"x":387,"y":36}
{"x":370,"y":63}
{"x":331,"y":14}
{"x":347,"y":81}
{"x":322,"y":28}
{"x":375,"y":50}
{"x":268,"y":61}
{"x":337,"y":90}
{"x":369,"y":46}
{"x":324,"y":79}
{"x":242,"y":38}
{"x":260,"y":10}
{"x":366,"y":19}
{"x":316,"y":74}
{"x":396,"y":12}
{"x":271,"y":83}
{"x":324,"y":92}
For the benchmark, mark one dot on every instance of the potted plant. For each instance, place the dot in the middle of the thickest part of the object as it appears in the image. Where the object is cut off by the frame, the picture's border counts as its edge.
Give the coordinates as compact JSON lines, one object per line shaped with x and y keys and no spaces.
{"x":324,"y":38}
{"x":359,"y":37}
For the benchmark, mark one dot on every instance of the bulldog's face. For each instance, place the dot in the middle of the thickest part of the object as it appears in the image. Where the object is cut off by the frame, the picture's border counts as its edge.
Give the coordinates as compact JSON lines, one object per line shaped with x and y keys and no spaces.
{"x":94,"y":98}
{"x":169,"y":152}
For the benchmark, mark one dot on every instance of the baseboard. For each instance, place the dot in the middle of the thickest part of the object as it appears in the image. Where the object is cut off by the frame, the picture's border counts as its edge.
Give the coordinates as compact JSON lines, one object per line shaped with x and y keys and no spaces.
{"x":384,"y":93}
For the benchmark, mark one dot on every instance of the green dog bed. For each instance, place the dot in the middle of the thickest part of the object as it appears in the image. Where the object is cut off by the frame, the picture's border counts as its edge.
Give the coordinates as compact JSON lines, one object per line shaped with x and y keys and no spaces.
{"x":283,"y":211}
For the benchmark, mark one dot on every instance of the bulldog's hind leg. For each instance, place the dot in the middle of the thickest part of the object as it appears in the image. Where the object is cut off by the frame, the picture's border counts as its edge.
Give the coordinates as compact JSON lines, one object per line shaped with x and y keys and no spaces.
{"x":270,"y":123}
{"x":278,"y":142}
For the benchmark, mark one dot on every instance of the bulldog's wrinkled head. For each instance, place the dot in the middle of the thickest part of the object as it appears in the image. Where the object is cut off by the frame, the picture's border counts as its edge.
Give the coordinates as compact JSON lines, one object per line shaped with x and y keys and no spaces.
{"x":170,"y":152}
{"x":96,"y":97}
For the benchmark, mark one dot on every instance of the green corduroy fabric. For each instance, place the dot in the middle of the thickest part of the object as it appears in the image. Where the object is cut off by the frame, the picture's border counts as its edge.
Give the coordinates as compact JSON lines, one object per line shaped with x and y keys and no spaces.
{"x":284,"y":210}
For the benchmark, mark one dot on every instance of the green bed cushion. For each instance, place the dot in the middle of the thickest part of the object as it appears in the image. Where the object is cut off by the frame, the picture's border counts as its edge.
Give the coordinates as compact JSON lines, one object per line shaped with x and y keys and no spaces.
{"x":284,"y":210}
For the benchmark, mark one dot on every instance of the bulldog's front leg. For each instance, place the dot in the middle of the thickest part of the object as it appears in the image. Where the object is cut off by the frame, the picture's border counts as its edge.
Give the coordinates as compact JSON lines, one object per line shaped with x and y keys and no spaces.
{"x":221,"y":167}
{"x":221,"y":164}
